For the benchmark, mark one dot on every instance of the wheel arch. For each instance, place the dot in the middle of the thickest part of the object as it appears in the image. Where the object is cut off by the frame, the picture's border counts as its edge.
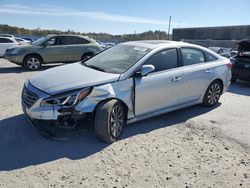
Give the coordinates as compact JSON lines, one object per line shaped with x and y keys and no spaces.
{"x":35,"y":54}
{"x":204,"y":91}
{"x":220,"y":81}
{"x":109,"y":99}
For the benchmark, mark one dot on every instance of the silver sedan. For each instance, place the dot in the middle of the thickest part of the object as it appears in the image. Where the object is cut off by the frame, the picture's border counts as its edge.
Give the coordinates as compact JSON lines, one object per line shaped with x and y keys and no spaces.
{"x":127,"y":83}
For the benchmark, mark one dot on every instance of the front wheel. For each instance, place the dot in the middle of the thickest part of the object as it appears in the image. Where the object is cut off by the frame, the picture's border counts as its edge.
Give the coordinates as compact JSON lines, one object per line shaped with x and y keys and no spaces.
{"x":110,"y":118}
{"x":212,"y":94}
{"x":32,"y":62}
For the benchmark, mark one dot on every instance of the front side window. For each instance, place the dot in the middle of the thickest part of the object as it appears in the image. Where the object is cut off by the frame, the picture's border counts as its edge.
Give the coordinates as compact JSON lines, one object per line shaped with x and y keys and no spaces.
{"x":164,"y":60}
{"x":4,"y":40}
{"x":52,"y":41}
{"x":192,"y":56}
{"x":118,"y":59}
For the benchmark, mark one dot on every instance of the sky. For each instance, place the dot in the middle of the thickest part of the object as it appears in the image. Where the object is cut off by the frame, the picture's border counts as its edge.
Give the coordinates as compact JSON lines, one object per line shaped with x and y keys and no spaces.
{"x":123,"y":16}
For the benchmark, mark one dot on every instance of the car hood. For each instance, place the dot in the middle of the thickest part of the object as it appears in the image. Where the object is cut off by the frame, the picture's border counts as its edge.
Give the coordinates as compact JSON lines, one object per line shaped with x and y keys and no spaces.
{"x":70,"y":77}
{"x":25,"y":46}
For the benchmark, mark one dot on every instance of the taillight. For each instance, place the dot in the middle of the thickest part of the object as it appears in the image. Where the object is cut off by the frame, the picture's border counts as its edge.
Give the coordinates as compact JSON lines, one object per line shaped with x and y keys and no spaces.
{"x":230,"y":65}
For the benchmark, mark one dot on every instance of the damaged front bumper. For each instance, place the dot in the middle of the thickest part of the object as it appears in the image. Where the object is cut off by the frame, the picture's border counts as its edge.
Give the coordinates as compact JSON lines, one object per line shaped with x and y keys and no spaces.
{"x":32,"y":97}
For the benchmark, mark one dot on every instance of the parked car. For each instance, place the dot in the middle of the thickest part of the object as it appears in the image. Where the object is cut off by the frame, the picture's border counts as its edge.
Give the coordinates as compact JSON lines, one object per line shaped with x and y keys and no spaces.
{"x":225,"y":52}
{"x":53,"y":49}
{"x":101,"y":45}
{"x":29,"y":39}
{"x":5,"y":43}
{"x":127,"y":83}
{"x":233,"y":52}
{"x":22,"y":41}
{"x":241,"y":62}
{"x":109,"y":44}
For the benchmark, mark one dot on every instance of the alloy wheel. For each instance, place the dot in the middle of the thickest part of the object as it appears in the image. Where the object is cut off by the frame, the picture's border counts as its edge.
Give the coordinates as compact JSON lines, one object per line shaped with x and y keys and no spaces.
{"x":117,"y":121}
{"x":33,"y":63}
{"x":214,"y":94}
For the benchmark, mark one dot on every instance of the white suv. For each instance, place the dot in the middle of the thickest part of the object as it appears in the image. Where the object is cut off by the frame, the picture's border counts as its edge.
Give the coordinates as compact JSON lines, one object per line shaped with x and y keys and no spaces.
{"x":5,"y":43}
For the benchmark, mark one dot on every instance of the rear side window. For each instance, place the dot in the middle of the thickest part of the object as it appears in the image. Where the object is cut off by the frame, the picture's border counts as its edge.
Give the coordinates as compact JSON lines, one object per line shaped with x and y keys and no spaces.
{"x":4,"y":40}
{"x":192,"y":56}
{"x":76,"y":40}
{"x":210,"y":57}
{"x":164,"y":60}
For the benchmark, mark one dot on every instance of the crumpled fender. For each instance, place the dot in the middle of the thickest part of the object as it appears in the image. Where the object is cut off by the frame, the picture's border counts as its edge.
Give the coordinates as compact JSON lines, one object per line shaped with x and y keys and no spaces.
{"x":122,"y":90}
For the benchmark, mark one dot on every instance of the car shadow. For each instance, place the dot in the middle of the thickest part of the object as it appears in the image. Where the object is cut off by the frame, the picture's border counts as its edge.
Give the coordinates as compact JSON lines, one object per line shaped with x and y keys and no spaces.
{"x":22,"y":146}
{"x":240,"y":88}
{"x":7,"y":70}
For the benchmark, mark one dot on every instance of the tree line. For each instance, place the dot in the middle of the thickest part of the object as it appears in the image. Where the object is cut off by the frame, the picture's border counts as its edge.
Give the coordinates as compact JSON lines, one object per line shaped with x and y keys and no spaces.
{"x":149,"y":35}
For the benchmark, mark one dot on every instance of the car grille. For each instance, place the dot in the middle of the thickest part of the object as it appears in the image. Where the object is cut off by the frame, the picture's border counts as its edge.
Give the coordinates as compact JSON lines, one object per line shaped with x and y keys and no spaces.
{"x":28,"y":97}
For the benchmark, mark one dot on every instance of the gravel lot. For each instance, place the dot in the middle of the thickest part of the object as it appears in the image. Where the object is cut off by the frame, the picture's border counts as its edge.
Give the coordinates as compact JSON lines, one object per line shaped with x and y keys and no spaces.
{"x":192,"y":147}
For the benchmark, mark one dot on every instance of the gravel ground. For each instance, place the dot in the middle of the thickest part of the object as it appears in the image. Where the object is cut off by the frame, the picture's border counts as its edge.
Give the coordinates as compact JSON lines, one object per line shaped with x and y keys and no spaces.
{"x":192,"y":147}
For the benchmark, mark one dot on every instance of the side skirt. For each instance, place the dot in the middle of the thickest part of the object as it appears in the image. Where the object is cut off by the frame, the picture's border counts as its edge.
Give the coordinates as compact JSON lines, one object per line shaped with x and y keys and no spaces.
{"x":146,"y":116}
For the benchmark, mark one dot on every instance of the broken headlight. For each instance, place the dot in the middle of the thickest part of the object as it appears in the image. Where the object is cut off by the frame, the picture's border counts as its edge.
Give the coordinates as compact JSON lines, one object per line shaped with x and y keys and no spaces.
{"x":68,"y":99}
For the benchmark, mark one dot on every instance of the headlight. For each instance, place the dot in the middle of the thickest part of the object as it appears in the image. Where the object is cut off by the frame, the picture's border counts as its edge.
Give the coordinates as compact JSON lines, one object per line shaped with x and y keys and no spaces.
{"x":68,"y":99}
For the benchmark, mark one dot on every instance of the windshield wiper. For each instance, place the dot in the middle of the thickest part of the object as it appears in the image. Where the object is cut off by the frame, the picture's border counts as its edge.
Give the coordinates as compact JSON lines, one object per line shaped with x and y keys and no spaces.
{"x":93,"y":67}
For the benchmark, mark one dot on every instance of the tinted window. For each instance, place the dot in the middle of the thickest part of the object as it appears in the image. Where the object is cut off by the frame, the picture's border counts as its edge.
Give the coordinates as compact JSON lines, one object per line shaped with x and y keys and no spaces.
{"x":84,"y":41}
{"x":210,"y":57}
{"x":76,"y":40}
{"x":4,"y":40}
{"x":164,"y":60}
{"x":63,"y":40}
{"x":192,"y":56}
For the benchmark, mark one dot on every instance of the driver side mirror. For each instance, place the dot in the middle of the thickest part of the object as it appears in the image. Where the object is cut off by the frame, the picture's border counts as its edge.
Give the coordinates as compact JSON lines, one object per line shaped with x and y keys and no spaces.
{"x":146,"y":69}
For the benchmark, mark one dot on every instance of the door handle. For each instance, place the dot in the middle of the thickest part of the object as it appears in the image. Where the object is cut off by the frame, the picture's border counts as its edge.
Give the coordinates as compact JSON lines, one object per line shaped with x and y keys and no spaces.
{"x":207,"y":71}
{"x":176,"y":79}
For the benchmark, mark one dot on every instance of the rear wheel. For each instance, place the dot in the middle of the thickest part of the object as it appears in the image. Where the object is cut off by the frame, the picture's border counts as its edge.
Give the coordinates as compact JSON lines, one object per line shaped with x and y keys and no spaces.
{"x":32,"y":62}
{"x":110,"y":118}
{"x":212,"y":94}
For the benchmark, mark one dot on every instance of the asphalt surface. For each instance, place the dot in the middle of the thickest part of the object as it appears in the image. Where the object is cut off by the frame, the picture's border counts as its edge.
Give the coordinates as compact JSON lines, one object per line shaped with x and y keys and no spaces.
{"x":174,"y":149}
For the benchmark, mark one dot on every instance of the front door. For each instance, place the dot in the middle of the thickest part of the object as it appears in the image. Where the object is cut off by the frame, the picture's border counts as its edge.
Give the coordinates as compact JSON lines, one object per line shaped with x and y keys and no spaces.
{"x":162,"y":88}
{"x":55,"y":50}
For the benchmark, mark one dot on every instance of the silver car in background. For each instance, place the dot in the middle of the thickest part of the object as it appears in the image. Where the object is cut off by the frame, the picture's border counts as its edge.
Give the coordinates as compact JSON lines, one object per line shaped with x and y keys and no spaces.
{"x":129,"y":82}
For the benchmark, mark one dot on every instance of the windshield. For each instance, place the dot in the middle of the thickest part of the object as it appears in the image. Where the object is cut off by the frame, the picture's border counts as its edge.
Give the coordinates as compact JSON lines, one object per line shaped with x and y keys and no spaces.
{"x":40,"y":41}
{"x":118,"y":59}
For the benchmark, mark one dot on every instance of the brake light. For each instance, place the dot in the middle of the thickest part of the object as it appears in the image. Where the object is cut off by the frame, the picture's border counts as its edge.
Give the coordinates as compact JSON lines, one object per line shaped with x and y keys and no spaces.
{"x":230,"y":65}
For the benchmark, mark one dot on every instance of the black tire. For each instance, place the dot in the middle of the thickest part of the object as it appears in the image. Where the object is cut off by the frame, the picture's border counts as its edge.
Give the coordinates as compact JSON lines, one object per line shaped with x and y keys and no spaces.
{"x":213,"y":94}
{"x":86,"y":56}
{"x":32,"y":62}
{"x":105,"y":130}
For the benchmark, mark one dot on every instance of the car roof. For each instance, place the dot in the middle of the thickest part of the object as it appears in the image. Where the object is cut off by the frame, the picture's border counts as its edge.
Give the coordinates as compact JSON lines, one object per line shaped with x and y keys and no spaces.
{"x":153,"y":44}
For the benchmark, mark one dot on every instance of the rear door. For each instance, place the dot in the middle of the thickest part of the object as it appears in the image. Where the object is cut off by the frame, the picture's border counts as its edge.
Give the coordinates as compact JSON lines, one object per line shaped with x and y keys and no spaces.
{"x":76,"y":48}
{"x":197,"y":73}
{"x":55,"y":51}
{"x":163,"y":87}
